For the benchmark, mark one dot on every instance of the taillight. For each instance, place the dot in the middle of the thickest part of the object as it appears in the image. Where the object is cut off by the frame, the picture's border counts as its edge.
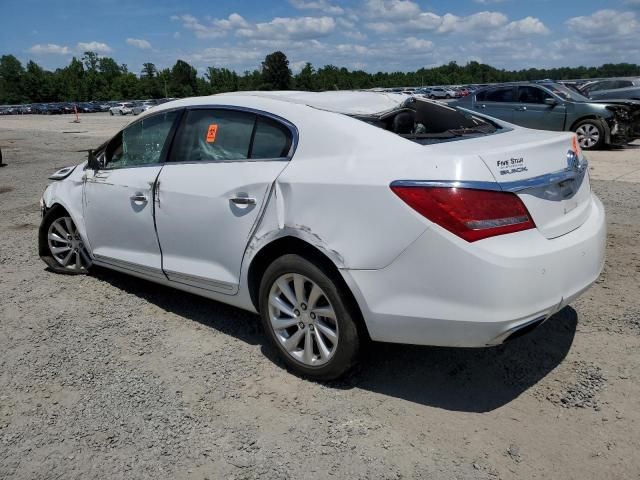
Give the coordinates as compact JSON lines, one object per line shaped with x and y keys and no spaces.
{"x":469,"y":213}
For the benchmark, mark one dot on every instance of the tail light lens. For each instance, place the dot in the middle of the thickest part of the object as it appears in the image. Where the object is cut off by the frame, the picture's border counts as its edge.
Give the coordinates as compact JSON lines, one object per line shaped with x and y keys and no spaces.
{"x":470,"y":214}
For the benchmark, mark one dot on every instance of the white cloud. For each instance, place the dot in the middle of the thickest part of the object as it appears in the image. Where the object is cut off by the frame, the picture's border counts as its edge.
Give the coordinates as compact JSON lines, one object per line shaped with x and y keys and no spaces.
{"x":94,"y":46}
{"x":421,"y":44}
{"x":50,"y":49}
{"x":213,"y":28}
{"x":322,"y":5}
{"x":605,"y":23}
{"x":293,"y":28}
{"x":487,"y":2}
{"x":391,"y":9}
{"x":139,"y":43}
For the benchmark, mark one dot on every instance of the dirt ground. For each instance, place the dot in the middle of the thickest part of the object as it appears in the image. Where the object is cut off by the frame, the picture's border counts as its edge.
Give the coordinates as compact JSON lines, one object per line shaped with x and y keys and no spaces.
{"x":106,"y":376}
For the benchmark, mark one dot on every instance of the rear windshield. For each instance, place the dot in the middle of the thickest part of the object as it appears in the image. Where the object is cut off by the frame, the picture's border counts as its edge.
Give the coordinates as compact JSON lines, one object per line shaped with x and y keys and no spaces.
{"x":427,"y":122}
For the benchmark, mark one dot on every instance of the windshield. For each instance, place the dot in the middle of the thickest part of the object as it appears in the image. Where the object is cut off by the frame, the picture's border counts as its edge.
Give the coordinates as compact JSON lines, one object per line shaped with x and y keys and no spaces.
{"x":566,"y":92}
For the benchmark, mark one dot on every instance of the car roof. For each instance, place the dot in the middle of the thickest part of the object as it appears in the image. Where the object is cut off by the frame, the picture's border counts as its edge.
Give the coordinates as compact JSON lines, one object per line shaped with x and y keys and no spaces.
{"x":346,"y":102}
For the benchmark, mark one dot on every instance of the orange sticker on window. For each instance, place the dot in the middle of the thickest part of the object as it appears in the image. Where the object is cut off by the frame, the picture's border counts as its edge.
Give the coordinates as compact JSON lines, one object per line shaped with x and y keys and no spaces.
{"x":211,"y":133}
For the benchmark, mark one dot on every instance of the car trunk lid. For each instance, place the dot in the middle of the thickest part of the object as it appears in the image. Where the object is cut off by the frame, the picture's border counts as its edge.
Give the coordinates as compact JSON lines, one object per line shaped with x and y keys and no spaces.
{"x":544,"y":172}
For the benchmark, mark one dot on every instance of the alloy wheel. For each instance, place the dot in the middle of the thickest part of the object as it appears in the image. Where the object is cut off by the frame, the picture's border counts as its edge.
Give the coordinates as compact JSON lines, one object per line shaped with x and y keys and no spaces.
{"x":66,"y":245}
{"x":303,"y":319}
{"x":588,"y":135}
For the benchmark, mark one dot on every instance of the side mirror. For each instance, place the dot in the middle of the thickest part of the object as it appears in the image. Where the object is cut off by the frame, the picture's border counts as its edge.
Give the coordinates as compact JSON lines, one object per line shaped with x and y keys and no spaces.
{"x":93,"y":162}
{"x":551,"y":101}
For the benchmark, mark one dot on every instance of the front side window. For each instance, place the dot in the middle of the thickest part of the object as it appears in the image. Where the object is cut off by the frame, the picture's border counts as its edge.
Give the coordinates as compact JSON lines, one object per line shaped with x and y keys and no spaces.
{"x":527,"y":94}
{"x":220,"y":135}
{"x":141,"y":143}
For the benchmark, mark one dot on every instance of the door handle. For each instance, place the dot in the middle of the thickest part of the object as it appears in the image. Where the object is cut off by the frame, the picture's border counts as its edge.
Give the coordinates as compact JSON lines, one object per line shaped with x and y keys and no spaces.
{"x":139,"y":197}
{"x":243,"y":200}
{"x":521,"y":109}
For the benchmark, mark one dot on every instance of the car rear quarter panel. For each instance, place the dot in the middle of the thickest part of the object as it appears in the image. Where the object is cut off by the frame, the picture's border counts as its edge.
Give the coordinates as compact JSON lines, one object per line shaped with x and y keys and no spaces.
{"x":336,"y":192}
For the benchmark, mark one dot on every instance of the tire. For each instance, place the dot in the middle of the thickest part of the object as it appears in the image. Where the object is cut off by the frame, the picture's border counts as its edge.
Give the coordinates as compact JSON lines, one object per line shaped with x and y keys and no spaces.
{"x":58,"y":231}
{"x":447,"y":96}
{"x":590,"y":134}
{"x":313,"y":345}
{"x":111,"y":113}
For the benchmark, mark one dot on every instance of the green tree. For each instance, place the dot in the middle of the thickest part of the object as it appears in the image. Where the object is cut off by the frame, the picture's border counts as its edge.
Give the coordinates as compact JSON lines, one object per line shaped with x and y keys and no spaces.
{"x":183,"y":80}
{"x":305,"y":79}
{"x":11,"y":76}
{"x":276,"y":74}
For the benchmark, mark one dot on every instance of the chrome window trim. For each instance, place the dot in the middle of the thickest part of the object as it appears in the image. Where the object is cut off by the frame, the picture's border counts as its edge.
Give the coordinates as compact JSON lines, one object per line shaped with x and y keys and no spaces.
{"x":515,"y":186}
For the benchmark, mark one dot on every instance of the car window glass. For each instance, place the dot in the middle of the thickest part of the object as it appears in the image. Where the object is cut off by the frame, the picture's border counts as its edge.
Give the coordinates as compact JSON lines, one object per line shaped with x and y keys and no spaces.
{"x":496,"y":95}
{"x":214,"y":135}
{"x":271,"y":139}
{"x":140,"y":143}
{"x":528,"y":94}
{"x":623,"y":84}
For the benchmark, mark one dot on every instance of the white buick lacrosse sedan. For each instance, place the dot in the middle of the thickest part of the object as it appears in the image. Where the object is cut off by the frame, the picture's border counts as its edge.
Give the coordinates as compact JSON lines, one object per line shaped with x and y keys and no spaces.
{"x":340,"y":217}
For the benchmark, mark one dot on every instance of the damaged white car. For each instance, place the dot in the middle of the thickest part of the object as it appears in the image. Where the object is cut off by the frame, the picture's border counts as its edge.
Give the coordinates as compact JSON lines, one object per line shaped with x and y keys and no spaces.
{"x":340,"y":217}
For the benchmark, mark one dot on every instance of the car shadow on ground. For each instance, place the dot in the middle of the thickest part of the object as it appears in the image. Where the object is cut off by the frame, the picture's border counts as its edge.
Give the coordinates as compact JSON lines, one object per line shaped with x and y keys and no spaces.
{"x":457,"y":379}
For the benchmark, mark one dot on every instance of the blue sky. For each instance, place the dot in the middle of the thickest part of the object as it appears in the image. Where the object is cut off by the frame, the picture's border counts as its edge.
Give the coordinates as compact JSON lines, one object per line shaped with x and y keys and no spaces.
{"x":369,"y":34}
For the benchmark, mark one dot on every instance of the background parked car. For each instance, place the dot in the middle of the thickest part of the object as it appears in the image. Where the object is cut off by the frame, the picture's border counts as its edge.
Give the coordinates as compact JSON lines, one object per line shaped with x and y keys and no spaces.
{"x":123,"y":108}
{"x":442,"y":92}
{"x":613,"y":88}
{"x":552,"y":106}
{"x":140,"y":107}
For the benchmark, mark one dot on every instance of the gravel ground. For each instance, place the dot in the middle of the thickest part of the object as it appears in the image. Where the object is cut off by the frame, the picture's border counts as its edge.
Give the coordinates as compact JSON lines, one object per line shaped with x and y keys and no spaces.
{"x":107,"y":376}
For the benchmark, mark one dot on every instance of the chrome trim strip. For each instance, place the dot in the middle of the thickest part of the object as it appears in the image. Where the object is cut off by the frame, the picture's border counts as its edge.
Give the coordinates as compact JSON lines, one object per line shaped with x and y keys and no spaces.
{"x":477,"y":185}
{"x":513,"y":187}
{"x":122,"y":264}
{"x":200,"y":282}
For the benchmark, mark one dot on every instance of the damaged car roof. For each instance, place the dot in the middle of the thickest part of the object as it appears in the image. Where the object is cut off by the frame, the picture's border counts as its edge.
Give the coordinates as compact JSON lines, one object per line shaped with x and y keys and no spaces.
{"x":346,"y":102}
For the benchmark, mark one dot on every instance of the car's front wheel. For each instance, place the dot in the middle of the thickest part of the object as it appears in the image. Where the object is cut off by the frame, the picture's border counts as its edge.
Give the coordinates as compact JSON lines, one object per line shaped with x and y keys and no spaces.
{"x":308,"y":319}
{"x":590,"y":134}
{"x":64,"y":249}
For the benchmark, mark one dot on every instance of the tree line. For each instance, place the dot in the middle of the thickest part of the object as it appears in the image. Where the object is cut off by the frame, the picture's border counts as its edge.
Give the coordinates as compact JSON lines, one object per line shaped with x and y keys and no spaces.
{"x":94,"y":77}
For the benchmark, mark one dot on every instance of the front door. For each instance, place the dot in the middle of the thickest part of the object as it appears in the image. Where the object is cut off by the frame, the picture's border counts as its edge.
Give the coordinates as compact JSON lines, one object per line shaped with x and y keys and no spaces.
{"x":531,"y":111}
{"x":119,"y":198}
{"x":211,"y":191}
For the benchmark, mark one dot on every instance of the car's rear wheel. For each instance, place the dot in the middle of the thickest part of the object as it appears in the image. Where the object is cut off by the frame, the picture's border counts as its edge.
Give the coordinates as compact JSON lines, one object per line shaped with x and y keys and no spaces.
{"x":590,"y":134}
{"x":66,"y":252}
{"x":111,"y":112}
{"x":308,"y":319}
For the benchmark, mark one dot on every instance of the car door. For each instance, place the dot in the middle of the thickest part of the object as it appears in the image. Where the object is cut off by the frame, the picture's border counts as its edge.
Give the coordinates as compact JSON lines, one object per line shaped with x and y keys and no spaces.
{"x":496,"y":102}
{"x":118,"y":198}
{"x":212,"y":189}
{"x":532,"y":111}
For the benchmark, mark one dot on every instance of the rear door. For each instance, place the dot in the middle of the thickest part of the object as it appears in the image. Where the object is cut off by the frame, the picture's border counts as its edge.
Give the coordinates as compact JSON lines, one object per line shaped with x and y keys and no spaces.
{"x":212,"y":189}
{"x":497,"y":102}
{"x":531,"y":111}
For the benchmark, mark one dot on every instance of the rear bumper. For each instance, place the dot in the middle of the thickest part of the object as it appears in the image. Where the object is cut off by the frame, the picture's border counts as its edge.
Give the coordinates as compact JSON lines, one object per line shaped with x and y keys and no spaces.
{"x":444,"y":291}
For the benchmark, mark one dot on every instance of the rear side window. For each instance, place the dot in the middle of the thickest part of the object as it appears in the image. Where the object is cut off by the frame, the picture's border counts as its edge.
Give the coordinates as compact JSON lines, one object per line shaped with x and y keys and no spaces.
{"x":214,"y":135}
{"x":504,"y":94}
{"x":220,"y":135}
{"x":271,"y":140}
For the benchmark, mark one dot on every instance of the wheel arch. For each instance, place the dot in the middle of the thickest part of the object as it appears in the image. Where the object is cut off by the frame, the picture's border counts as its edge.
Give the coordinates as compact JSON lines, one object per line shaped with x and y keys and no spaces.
{"x":603,"y":122}
{"x":54,"y":211}
{"x":294,"y":245}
